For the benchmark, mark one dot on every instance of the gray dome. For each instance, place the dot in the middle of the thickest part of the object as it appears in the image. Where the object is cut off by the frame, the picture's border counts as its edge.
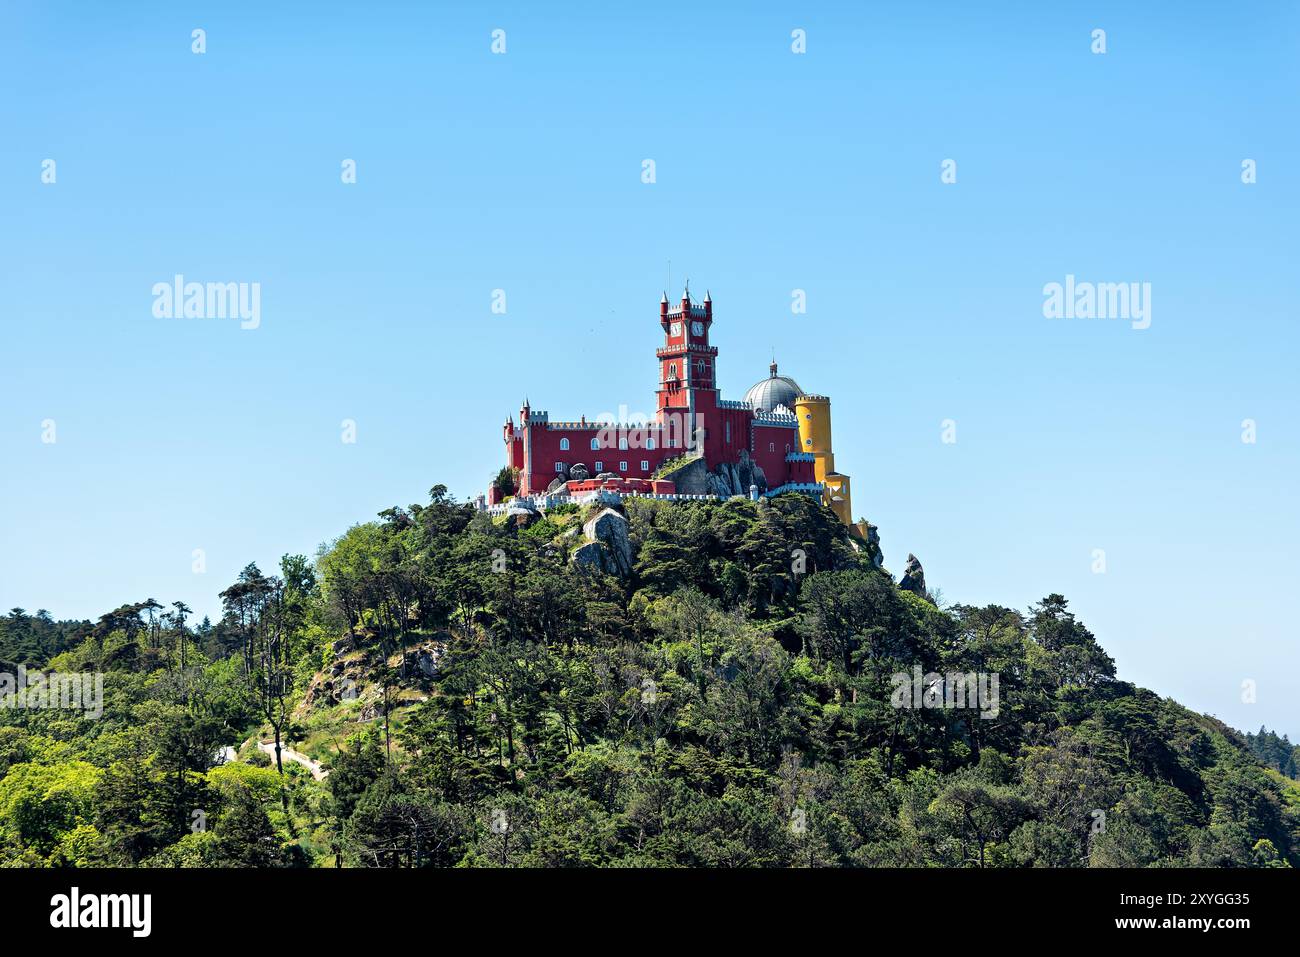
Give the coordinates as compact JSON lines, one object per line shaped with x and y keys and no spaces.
{"x":766,"y":394}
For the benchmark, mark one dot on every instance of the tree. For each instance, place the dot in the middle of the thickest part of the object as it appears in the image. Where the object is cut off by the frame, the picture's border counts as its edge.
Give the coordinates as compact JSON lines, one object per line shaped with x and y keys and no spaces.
{"x":244,"y":836}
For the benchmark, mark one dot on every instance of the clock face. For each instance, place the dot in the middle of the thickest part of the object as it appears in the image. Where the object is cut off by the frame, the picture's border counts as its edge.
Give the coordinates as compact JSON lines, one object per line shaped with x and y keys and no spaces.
{"x":675,"y":329}
{"x":697,"y":328}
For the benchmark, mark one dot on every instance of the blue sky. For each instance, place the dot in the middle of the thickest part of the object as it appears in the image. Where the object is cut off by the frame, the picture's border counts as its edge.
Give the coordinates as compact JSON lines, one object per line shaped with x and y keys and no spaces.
{"x":774,"y":172}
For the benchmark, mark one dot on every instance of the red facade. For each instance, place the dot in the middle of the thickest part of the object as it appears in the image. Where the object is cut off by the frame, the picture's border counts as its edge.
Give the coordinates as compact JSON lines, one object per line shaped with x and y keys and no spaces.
{"x":689,"y":413}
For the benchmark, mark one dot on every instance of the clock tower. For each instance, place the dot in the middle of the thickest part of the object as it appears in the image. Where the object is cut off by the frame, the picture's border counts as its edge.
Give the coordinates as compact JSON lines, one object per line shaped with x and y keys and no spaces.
{"x":687,"y":363}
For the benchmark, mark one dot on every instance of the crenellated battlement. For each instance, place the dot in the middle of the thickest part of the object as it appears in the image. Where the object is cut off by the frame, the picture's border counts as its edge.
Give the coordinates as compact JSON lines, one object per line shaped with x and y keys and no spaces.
{"x":776,"y":418}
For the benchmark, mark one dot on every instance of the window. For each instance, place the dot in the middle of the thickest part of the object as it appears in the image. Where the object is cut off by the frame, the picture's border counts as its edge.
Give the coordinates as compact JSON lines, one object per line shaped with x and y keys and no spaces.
{"x":699,"y":368}
{"x":622,"y":445}
{"x":645,"y":465}
{"x":600,"y":467}
{"x":564,"y":445}
{"x":672,"y":370}
{"x":559,"y":466}
{"x":595,"y":445}
{"x":771,"y":447}
{"x":787,"y":447}
{"x":728,"y":432}
{"x":649,"y":443}
{"x":622,"y":466}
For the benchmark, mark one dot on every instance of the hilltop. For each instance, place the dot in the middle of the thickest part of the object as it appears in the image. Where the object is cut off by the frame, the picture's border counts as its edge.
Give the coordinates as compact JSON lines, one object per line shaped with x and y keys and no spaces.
{"x":661,"y":683}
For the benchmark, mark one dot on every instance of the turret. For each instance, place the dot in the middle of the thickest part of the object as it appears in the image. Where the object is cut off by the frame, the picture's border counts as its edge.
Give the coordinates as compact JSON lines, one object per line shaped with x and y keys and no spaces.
{"x":814,"y":413}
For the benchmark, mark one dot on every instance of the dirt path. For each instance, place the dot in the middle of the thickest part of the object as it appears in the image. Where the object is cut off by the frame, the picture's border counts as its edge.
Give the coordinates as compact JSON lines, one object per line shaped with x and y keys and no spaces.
{"x":289,"y":754}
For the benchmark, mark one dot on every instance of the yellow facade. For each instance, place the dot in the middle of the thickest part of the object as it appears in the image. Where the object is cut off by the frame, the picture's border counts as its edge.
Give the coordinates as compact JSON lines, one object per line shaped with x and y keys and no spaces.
{"x":814,"y":413}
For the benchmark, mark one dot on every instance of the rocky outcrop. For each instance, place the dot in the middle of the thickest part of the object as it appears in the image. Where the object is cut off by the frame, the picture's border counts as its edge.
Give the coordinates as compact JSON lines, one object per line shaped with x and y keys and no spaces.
{"x":726,"y":479}
{"x":578,"y":473}
{"x":557,"y":484}
{"x":610,"y":528}
{"x":594,"y":555}
{"x":913,"y":579}
{"x":868,"y":539}
{"x":342,"y":681}
{"x":691,"y":478}
{"x":521,"y":513}
{"x":351,"y":678}
{"x":608,"y":548}
{"x":744,"y":473}
{"x":425,"y":661}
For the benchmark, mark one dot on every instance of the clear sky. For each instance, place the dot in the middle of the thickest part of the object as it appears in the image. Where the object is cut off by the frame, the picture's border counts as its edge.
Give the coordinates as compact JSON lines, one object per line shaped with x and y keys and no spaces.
{"x":775,"y":171}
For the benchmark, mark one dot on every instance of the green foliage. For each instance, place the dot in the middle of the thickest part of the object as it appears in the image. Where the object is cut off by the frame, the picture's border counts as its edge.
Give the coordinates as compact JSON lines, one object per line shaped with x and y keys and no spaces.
{"x":734,"y":702}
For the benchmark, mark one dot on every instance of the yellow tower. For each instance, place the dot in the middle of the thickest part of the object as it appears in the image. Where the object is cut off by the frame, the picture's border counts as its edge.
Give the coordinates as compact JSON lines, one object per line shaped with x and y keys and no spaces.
{"x":814,"y":412}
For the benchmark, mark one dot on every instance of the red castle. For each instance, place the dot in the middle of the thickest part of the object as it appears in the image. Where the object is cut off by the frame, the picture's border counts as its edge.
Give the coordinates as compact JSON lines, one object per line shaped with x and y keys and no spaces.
{"x":697,"y":443}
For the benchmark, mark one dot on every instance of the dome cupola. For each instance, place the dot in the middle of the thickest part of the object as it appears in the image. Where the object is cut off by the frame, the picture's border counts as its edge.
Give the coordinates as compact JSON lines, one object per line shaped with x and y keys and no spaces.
{"x":776,"y":390}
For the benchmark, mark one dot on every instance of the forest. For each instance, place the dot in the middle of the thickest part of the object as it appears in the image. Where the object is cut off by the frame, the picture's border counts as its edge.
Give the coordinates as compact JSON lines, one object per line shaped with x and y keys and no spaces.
{"x":441,"y":687}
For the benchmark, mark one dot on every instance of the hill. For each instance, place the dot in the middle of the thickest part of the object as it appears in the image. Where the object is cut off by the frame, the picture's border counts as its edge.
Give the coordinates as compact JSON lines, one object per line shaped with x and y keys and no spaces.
{"x":664,"y":684}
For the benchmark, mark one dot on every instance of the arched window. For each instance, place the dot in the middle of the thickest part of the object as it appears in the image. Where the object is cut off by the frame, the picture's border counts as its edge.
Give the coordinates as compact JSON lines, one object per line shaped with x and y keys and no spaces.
{"x":771,"y":446}
{"x":649,"y":443}
{"x":564,"y":445}
{"x":595,"y":445}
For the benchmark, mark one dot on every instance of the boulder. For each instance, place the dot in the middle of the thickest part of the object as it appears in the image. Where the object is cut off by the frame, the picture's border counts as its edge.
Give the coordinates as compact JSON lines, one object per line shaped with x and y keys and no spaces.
{"x":425,"y":661}
{"x":557,"y":484}
{"x":748,"y":472}
{"x":596,"y":556}
{"x":610,"y":529}
{"x":578,"y":473}
{"x":693,"y":478}
{"x":342,"y":646}
{"x":913,"y":579}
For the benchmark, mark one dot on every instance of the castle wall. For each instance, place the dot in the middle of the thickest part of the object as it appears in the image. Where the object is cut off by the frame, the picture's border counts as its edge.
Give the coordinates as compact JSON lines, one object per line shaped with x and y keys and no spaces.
{"x":646,"y":448}
{"x":726,"y":434}
{"x":770,"y":445}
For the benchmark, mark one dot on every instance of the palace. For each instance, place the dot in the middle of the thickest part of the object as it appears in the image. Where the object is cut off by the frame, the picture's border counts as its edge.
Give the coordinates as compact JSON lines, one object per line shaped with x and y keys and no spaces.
{"x":776,"y":439}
